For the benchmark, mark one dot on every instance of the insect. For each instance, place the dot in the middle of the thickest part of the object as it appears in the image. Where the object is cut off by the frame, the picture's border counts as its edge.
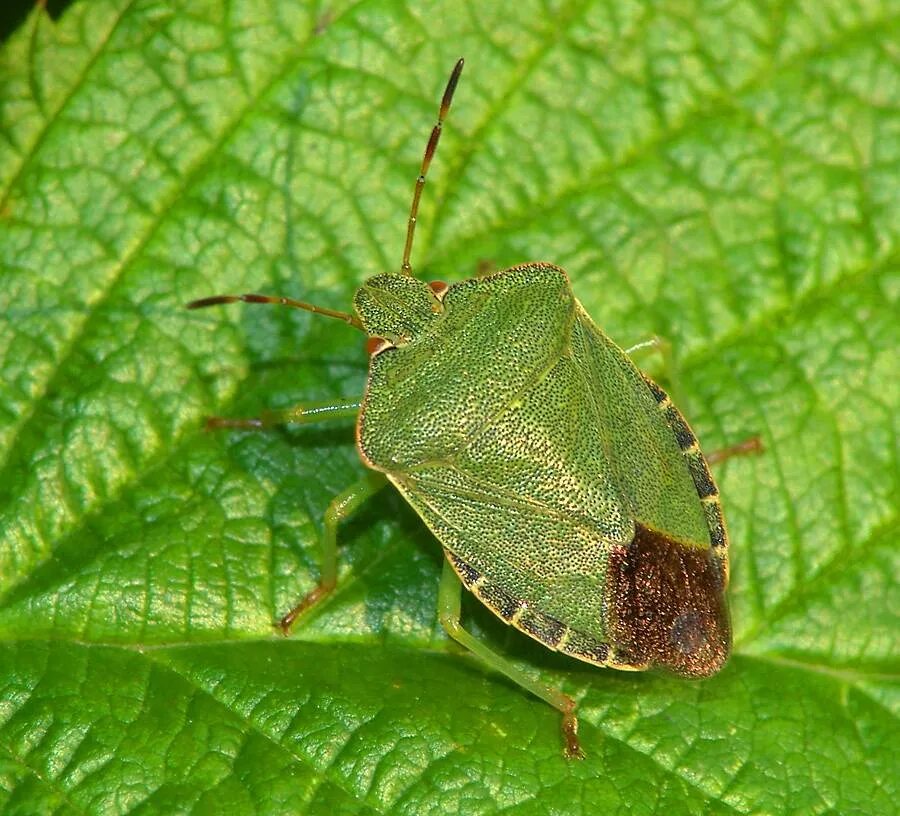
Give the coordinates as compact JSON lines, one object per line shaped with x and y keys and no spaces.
{"x":567,"y":491}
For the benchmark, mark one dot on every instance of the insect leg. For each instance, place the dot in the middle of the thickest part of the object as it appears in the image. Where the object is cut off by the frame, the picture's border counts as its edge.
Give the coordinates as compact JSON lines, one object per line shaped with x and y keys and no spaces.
{"x":748,"y":447}
{"x":485,"y":267}
{"x":654,"y":343}
{"x":669,"y":368}
{"x":343,"y":505}
{"x":299,"y":414}
{"x":449,"y":604}
{"x":664,"y":349}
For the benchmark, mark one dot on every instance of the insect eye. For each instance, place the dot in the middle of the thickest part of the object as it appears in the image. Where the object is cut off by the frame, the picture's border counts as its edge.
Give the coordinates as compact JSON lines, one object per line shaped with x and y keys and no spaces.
{"x":438,"y":289}
{"x":375,"y":345}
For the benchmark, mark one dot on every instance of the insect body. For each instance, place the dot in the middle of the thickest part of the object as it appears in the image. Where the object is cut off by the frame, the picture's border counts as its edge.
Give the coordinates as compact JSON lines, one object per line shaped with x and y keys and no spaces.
{"x":569,"y":494}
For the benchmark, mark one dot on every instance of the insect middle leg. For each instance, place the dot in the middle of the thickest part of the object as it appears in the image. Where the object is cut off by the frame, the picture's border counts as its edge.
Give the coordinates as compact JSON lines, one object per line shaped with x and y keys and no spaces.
{"x":664,"y":348}
{"x":449,"y":607}
{"x":654,"y":343}
{"x":747,"y":447}
{"x":343,"y":505}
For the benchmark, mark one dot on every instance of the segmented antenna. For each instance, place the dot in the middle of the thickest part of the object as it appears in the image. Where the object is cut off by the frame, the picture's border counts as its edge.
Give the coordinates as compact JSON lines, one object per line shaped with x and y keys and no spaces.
{"x":219,"y":300}
{"x":431,"y":147}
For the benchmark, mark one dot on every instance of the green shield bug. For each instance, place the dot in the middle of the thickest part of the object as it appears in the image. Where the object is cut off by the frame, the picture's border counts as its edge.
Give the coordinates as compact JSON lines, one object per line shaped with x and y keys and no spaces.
{"x":567,"y":491}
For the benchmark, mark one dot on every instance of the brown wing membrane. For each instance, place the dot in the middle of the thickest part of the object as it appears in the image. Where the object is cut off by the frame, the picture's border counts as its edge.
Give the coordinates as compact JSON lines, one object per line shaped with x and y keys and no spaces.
{"x":668,"y":605}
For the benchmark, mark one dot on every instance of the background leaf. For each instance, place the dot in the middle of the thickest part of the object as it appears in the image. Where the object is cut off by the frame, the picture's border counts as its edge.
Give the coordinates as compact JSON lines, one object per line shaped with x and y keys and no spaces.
{"x":722,"y":174}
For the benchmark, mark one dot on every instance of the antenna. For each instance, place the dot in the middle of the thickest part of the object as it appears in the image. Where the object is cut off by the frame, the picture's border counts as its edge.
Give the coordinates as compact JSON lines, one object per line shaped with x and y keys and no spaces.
{"x":219,"y":300}
{"x":430,"y":148}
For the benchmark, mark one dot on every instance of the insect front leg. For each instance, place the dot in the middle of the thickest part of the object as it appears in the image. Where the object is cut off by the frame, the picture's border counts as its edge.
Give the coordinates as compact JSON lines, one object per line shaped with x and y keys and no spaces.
{"x":311,"y":412}
{"x":343,"y":505}
{"x":449,"y":607}
{"x":485,"y":267}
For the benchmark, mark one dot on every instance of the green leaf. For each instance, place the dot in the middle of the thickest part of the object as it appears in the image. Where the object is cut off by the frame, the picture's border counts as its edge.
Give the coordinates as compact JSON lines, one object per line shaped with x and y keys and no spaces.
{"x":724,"y":175}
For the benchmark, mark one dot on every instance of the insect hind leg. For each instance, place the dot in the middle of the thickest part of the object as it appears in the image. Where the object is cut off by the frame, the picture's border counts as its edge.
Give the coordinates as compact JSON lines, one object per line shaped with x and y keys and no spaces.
{"x":449,"y":608}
